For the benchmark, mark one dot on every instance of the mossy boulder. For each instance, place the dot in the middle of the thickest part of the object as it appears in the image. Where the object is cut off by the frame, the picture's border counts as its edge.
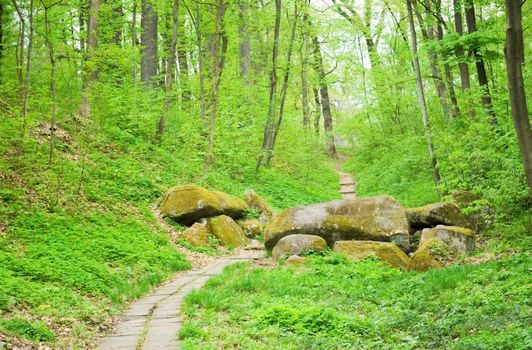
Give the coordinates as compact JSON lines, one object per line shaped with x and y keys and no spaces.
{"x":232,"y":206}
{"x":298,"y":244}
{"x":251,"y":227}
{"x":461,"y":240}
{"x":227,"y":231}
{"x":432,"y":254}
{"x":295,"y":260}
{"x":478,"y":213}
{"x":197,"y":235}
{"x":258,"y":204}
{"x":190,"y":203}
{"x":381,"y":218}
{"x":386,"y":251}
{"x":443,"y":213}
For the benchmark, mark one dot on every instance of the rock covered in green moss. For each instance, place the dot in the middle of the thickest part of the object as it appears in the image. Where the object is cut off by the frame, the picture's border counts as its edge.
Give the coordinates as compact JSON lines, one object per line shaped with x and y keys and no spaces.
{"x":251,"y":227}
{"x":295,"y":260}
{"x":258,"y":204}
{"x":386,"y":251}
{"x":197,"y":235}
{"x":461,"y":240}
{"x":432,"y":253}
{"x":443,"y":213}
{"x":190,"y":203}
{"x":298,"y":244}
{"x":227,"y":231}
{"x":373,"y":217}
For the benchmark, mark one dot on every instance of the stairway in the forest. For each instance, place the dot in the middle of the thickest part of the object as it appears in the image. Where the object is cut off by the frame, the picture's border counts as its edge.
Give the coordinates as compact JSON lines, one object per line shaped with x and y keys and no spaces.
{"x":347,"y":182}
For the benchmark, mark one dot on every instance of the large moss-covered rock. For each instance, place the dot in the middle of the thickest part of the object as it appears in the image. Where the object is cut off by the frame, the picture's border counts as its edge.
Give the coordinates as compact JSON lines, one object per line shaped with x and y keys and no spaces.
{"x":227,"y":231}
{"x":258,"y":204}
{"x":251,"y":227}
{"x":443,"y":213}
{"x":187,"y":204}
{"x":433,"y":253}
{"x":387,"y":252}
{"x":197,"y":235}
{"x":298,"y":244}
{"x":190,"y":203}
{"x":381,"y":218}
{"x":478,"y":212}
{"x":461,"y":240}
{"x":232,"y":206}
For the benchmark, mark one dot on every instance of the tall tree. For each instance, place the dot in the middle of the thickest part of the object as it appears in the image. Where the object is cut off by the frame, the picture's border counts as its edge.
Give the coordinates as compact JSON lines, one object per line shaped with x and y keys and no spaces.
{"x":459,"y":52}
{"x":330,"y":147}
{"x":269,"y":127}
{"x":421,"y":96}
{"x":148,"y":41}
{"x":218,"y":52}
{"x":90,"y":73}
{"x":479,"y":62}
{"x":515,"y":59}
{"x":245,"y":42}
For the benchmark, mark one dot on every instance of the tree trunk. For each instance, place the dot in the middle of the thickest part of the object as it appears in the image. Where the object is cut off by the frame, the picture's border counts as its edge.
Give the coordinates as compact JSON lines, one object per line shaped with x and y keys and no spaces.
{"x":284,"y":89}
{"x":90,"y":74}
{"x":515,"y":59}
{"x":330,"y":147}
{"x":134,"y":39}
{"x":479,"y":62}
{"x":20,"y":53}
{"x":269,"y":127}
{"x":27,"y":82}
{"x":459,"y":52}
{"x":201,"y":73}
{"x":317,"y":110}
{"x":219,"y":49}
{"x":118,"y":14}
{"x":183,"y":65}
{"x":148,"y":41}
{"x":1,"y":36}
{"x":421,"y":97}
{"x":245,"y":48}
{"x":170,"y":73}
{"x":304,"y":91}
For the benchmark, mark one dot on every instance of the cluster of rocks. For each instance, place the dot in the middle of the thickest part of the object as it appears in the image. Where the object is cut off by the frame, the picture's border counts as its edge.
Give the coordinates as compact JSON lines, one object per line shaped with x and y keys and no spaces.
{"x":414,"y":239}
{"x":215,"y":217}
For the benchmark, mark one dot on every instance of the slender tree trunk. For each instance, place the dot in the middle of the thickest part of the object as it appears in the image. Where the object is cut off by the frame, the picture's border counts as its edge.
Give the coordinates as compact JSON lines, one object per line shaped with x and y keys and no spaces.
{"x":82,"y":9}
{"x":515,"y":59}
{"x":201,"y":68}
{"x":118,"y":14}
{"x":170,"y":73}
{"x":148,"y":41}
{"x":317,"y":110}
{"x":304,"y":90}
{"x":421,"y":96}
{"x":245,"y":46}
{"x":219,"y":49}
{"x":330,"y":147}
{"x":479,"y":62}
{"x":27,"y":82}
{"x":183,"y":65}
{"x":269,"y":127}
{"x":459,"y":52}
{"x":1,"y":36}
{"x":20,"y":52}
{"x":90,"y":74}
{"x":284,"y":89}
{"x":134,"y":39}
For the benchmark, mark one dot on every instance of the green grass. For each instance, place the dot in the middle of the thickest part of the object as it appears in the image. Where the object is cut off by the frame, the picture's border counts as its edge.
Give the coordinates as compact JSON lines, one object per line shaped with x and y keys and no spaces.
{"x":332,"y":303}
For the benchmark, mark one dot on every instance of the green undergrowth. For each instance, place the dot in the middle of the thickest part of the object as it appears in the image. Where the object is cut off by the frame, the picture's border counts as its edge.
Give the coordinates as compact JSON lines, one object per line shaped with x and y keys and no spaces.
{"x":78,"y":239}
{"x":332,"y":303}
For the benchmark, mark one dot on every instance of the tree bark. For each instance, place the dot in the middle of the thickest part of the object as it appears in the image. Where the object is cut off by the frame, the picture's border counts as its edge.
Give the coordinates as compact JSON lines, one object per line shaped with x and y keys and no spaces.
{"x":183,"y":65}
{"x":219,"y":49}
{"x":170,"y":73}
{"x":330,"y":147}
{"x":148,"y":41}
{"x":20,"y":52}
{"x":304,"y":92}
{"x":317,"y":110}
{"x":515,"y":59}
{"x":421,"y":97}
{"x":268,"y":129}
{"x":459,"y":52}
{"x":27,"y":82}
{"x":201,"y":73}
{"x":245,"y":46}
{"x":479,"y":62}
{"x":90,"y":74}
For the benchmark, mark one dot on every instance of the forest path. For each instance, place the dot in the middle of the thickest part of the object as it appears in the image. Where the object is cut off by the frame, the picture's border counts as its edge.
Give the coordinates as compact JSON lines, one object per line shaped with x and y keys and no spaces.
{"x":152,"y":322}
{"x":347,"y":182}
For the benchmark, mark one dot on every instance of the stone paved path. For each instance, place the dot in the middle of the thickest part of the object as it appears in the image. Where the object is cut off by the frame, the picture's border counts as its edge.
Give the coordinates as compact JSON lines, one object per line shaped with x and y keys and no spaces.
{"x":153,"y":321}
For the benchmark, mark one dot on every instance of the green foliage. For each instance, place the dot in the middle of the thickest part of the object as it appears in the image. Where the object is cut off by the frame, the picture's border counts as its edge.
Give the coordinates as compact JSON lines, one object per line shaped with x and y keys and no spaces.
{"x":35,"y":331}
{"x":334,"y":303}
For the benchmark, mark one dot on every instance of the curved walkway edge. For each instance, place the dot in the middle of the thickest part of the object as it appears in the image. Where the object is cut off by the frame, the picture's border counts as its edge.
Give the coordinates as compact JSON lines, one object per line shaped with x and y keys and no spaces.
{"x":152,"y":322}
